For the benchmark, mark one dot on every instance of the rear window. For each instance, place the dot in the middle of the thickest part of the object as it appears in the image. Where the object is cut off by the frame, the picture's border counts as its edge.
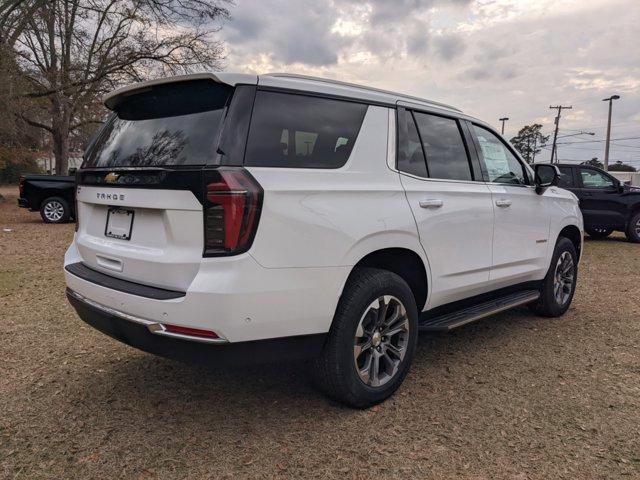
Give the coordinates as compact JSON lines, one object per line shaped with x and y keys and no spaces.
{"x":300,"y":131}
{"x":173,"y":124}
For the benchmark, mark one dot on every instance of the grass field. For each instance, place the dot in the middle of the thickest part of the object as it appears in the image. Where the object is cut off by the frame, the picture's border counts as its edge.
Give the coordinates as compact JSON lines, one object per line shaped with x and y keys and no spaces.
{"x":512,"y":397}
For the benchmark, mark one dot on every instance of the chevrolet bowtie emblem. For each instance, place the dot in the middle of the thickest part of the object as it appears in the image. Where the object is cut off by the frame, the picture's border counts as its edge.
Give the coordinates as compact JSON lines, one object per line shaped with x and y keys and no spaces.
{"x":111,"y":177}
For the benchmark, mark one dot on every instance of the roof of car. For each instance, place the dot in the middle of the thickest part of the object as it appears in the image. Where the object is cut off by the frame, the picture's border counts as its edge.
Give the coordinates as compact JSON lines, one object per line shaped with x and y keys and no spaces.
{"x":289,"y":81}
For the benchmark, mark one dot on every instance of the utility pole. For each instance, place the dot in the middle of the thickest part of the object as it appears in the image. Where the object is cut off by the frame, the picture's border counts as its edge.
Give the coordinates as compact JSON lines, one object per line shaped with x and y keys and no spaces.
{"x":606,"y":148}
{"x":555,"y":133}
{"x":503,"y":119}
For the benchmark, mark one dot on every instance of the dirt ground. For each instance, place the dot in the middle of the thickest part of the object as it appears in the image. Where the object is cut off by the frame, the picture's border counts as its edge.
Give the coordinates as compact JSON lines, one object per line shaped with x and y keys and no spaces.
{"x":513,"y":396}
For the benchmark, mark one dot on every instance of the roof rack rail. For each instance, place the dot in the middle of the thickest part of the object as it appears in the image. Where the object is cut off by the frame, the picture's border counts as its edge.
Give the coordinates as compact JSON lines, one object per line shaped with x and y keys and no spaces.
{"x":363,"y":87}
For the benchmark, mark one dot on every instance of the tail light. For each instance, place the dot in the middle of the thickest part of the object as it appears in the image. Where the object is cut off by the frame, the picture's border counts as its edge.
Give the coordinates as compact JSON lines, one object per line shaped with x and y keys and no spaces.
{"x":192,"y":332}
{"x":21,"y":185}
{"x":232,"y":211}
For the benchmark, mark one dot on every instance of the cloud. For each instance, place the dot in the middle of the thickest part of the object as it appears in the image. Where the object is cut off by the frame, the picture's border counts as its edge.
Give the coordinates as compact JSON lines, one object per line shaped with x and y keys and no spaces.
{"x":449,"y":46}
{"x":288,"y":32}
{"x":492,"y":58}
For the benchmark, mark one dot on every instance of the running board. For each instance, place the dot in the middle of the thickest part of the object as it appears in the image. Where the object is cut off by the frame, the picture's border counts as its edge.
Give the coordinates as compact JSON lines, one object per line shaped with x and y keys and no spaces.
{"x":457,"y":319}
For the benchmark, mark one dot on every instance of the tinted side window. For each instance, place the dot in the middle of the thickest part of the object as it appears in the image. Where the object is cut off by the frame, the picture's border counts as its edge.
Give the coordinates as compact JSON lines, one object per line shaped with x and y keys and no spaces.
{"x":410,"y":155}
{"x":443,"y":147}
{"x":566,"y":178}
{"x":594,"y":179}
{"x":502,"y":165}
{"x":299,"y":131}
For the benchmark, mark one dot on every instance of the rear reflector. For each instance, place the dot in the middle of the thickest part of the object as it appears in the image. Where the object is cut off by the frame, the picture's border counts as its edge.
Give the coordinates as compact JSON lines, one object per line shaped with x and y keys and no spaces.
{"x":232,"y":211}
{"x":192,"y":332}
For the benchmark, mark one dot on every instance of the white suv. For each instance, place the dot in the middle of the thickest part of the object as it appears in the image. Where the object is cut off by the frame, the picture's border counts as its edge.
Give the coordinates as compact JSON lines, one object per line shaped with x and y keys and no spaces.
{"x":236,"y":218}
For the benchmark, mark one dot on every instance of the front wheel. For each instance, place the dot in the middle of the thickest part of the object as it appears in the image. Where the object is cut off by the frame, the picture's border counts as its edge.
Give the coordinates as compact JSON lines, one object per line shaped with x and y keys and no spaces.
{"x":633,"y":229}
{"x":559,"y":286}
{"x":55,"y":210}
{"x":599,"y":232}
{"x":372,"y":339}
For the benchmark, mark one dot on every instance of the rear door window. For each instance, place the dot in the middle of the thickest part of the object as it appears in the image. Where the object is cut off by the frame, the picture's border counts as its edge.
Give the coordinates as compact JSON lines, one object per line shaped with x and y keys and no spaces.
{"x":167,"y":125}
{"x":299,"y":131}
{"x":566,"y":177}
{"x":443,"y":146}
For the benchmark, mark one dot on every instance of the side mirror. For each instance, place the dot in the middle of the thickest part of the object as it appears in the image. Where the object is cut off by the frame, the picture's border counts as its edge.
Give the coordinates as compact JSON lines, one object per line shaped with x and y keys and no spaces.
{"x":546,"y":176}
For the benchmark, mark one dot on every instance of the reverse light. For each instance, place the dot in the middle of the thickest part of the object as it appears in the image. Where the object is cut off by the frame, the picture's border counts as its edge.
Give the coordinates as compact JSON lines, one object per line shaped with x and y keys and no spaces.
{"x":232,"y":212}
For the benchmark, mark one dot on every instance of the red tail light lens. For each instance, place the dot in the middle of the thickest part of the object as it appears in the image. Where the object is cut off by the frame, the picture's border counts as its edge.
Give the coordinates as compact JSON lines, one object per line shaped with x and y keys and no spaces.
{"x":21,"y":185}
{"x":232,"y":211}
{"x":192,"y":332}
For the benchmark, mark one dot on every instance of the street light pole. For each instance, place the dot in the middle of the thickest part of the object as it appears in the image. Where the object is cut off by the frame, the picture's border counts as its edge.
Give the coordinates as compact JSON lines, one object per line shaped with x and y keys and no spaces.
{"x":606,"y":148}
{"x":503,"y":119}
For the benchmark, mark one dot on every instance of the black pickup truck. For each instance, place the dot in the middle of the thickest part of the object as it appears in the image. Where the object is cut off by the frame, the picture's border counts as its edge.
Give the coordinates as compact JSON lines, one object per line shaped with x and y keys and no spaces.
{"x":607,"y":205}
{"x":52,"y":195}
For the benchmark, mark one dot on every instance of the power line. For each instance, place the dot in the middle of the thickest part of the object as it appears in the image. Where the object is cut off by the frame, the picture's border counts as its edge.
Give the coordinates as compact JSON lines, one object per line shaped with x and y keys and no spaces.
{"x":598,"y":141}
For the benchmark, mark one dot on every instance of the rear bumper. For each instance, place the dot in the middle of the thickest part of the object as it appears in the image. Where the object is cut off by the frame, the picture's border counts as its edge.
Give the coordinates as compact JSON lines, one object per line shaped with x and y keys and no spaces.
{"x":235,"y":297}
{"x":140,"y":334}
{"x":23,"y":203}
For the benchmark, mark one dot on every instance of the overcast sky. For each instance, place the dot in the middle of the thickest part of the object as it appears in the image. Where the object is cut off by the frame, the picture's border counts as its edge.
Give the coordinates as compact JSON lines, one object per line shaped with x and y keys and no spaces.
{"x":491,"y":58}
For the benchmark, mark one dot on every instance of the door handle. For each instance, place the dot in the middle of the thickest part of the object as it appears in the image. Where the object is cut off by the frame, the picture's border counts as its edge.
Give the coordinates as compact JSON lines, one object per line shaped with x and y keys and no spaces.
{"x":431,"y":203}
{"x":503,"y":202}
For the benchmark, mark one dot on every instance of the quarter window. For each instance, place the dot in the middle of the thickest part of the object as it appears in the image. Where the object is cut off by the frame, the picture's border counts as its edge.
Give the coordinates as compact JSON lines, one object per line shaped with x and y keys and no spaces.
{"x":411,"y":157}
{"x":502,"y":165}
{"x":595,"y":179}
{"x":300,"y":131}
{"x":443,"y":147}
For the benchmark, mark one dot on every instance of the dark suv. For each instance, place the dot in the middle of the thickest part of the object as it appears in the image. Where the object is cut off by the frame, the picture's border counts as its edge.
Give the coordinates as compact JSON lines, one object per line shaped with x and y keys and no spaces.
{"x":607,"y":205}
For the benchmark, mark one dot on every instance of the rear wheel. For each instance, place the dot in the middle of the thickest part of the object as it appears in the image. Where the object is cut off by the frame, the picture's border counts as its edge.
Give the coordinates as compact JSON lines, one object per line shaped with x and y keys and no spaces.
{"x":55,"y":210}
{"x":559,"y":286}
{"x":633,"y":229}
{"x":372,"y":339}
{"x":599,"y":232}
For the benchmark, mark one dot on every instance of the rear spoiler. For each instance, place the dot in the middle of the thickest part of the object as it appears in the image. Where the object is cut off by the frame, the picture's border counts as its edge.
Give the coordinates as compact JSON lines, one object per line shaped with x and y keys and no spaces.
{"x":112,"y":99}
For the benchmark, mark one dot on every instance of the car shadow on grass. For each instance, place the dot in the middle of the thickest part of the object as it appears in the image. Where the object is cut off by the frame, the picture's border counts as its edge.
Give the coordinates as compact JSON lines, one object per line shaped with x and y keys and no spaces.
{"x":143,"y":385}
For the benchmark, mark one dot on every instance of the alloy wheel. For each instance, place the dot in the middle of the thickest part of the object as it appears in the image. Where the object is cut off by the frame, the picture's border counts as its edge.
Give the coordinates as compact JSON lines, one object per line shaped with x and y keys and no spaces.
{"x":53,"y":211}
{"x":381,"y":341}
{"x":564,"y":278}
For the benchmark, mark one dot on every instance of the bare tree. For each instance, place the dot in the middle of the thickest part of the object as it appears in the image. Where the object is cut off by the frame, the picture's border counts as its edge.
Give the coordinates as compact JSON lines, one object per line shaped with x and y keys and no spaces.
{"x":69,"y":53}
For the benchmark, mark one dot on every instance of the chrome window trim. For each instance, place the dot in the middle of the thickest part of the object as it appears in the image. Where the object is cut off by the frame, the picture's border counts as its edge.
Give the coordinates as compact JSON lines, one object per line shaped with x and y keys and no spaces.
{"x":392,"y":140}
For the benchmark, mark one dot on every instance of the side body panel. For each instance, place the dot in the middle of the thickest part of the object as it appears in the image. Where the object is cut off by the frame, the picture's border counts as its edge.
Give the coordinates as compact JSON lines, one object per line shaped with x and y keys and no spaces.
{"x":457,"y":235}
{"x":325,"y":218}
{"x":40,"y":187}
{"x":521,"y":234}
{"x":601,"y":207}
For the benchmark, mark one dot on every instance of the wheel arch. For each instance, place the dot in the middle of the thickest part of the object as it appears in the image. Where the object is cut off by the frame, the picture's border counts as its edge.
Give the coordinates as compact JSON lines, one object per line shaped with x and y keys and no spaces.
{"x":404,"y":262}
{"x":48,"y":193}
{"x":574,"y":234}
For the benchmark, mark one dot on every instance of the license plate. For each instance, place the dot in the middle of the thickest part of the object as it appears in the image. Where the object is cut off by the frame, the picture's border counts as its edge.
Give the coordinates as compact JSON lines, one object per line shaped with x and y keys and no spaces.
{"x":119,"y":223}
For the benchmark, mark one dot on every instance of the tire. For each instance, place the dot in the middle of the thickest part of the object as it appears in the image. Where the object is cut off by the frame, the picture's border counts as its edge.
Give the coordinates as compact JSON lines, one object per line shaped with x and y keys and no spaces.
{"x":343,"y":376}
{"x":599,"y":232}
{"x":550,"y":303}
{"x":55,"y":210}
{"x":633,"y":229}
